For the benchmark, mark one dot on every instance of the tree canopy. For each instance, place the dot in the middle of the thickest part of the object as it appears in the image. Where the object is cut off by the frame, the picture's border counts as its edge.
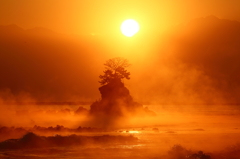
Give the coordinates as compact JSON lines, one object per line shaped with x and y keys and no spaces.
{"x":115,"y":68}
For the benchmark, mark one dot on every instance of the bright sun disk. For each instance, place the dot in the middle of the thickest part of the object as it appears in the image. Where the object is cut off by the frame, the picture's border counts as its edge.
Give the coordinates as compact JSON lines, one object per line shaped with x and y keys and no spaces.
{"x":129,"y":27}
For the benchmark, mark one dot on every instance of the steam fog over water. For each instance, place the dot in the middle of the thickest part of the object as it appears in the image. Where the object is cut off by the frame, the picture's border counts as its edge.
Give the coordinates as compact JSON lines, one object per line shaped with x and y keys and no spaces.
{"x":213,"y":129}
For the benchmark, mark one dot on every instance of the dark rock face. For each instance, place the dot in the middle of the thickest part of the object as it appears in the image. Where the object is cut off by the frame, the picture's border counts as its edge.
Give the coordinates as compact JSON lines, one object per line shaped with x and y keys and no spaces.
{"x":116,"y":102}
{"x":114,"y":90}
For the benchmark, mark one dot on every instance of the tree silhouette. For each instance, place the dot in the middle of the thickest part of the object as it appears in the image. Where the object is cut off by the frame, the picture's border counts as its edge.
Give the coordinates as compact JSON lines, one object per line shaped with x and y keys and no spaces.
{"x":115,"y":68}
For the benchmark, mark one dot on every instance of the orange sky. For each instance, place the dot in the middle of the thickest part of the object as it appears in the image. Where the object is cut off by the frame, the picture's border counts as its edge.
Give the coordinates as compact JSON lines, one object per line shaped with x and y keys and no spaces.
{"x":104,"y":16}
{"x":194,"y":59}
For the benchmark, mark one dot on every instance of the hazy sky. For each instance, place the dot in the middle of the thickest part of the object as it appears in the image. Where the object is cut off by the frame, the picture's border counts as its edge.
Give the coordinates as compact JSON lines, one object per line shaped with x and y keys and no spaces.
{"x":105,"y":16}
{"x":169,"y":61}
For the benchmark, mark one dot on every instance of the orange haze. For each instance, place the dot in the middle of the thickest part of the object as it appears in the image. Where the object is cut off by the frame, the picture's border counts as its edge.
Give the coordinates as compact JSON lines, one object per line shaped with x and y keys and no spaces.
{"x":54,"y":50}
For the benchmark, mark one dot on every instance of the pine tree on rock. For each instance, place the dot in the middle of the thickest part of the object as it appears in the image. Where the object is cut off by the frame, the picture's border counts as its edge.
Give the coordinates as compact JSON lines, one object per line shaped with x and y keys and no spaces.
{"x":115,"y":68}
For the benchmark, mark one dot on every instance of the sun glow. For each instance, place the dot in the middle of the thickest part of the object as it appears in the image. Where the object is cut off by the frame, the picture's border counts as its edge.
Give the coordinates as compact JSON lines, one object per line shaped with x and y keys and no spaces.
{"x":129,"y":27}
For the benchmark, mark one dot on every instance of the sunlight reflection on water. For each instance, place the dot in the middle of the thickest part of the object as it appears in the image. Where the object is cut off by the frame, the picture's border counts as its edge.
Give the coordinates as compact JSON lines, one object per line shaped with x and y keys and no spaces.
{"x":134,"y":132}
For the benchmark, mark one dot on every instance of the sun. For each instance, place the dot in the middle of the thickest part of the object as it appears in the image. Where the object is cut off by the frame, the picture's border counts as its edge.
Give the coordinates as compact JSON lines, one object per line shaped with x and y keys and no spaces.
{"x":129,"y":27}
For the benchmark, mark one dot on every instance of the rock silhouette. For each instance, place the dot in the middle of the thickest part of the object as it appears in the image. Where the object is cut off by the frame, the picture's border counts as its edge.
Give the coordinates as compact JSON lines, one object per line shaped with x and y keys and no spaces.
{"x":116,"y":102}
